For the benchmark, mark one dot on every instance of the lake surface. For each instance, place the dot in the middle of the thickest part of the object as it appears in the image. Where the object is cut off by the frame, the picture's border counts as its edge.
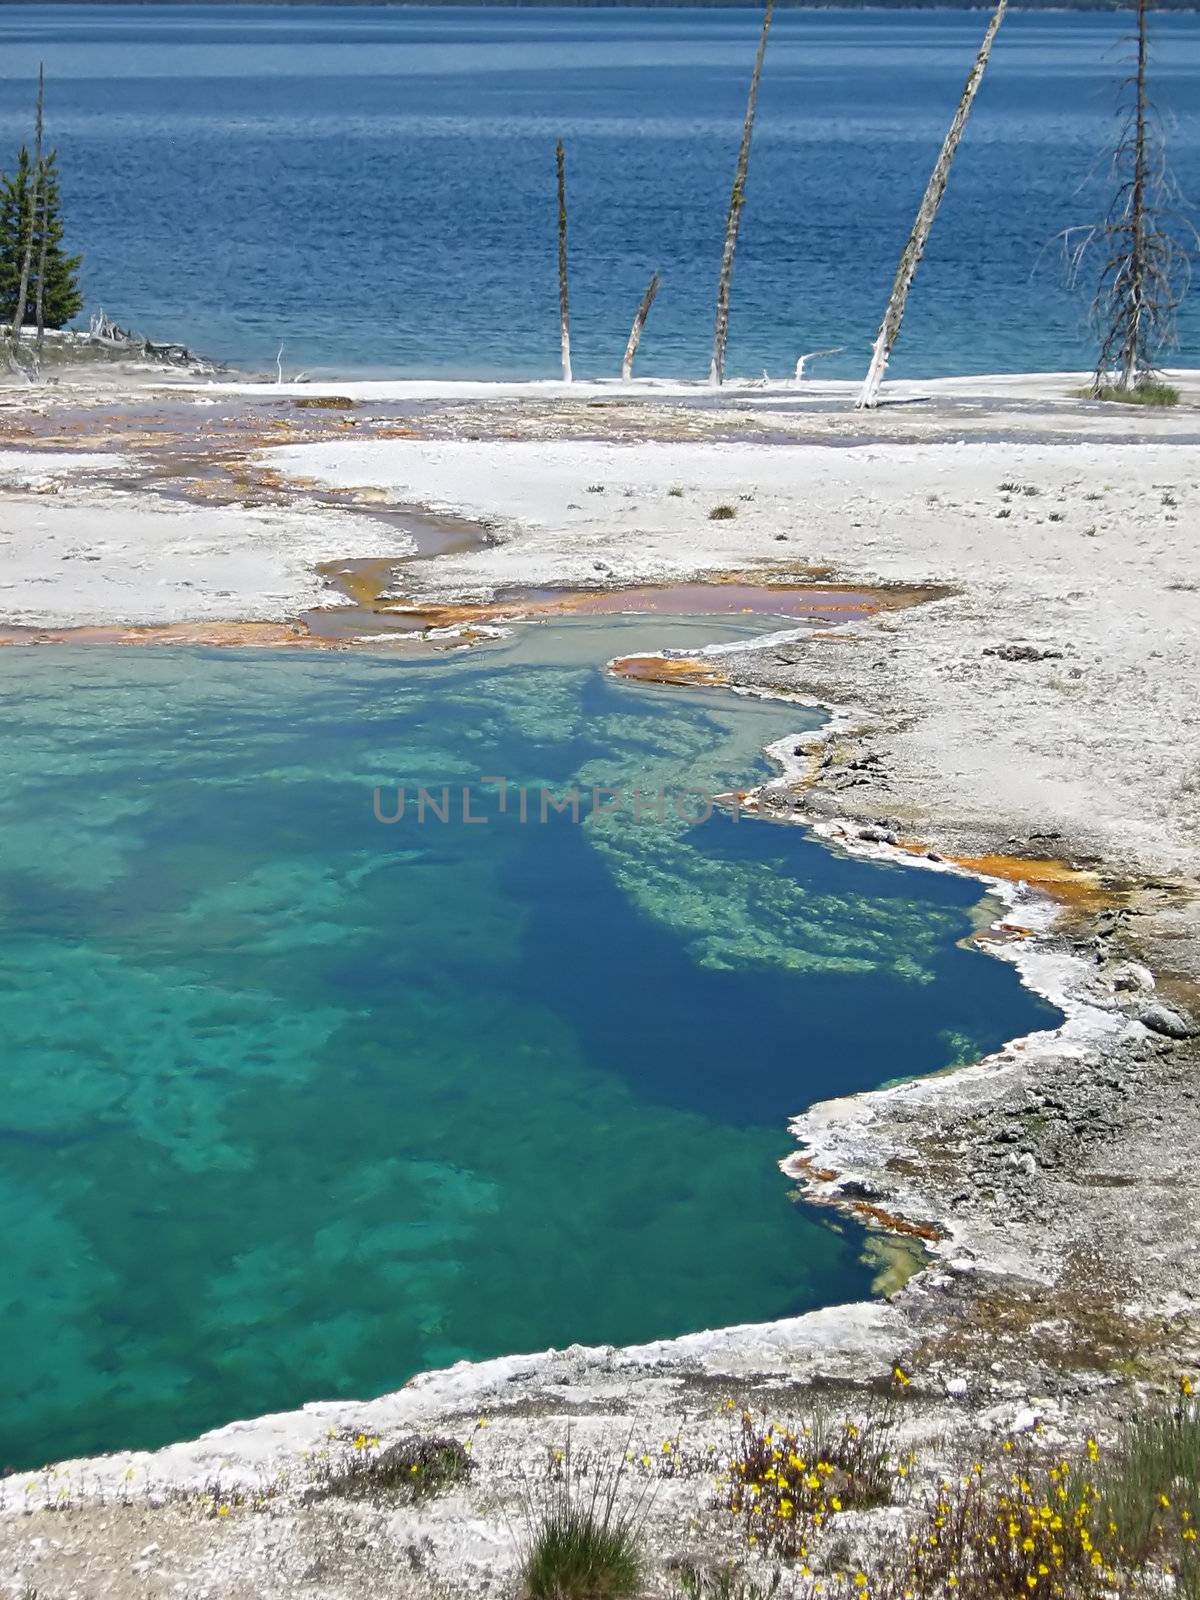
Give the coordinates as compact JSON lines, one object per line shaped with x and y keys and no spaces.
{"x":295,"y":1102}
{"x":374,"y":187}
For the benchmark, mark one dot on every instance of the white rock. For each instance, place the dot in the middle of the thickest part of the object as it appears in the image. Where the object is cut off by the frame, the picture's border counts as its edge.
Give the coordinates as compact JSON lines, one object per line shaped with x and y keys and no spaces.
{"x":1131,"y":975}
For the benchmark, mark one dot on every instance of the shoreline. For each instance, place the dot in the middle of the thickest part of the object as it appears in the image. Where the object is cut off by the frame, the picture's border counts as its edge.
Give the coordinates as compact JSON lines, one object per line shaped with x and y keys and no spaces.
{"x":108,"y":1473}
{"x":1059,"y":1285}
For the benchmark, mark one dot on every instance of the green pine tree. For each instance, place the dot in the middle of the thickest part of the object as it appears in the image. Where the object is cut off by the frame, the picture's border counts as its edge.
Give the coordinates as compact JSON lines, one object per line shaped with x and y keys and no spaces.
{"x":61,"y":296}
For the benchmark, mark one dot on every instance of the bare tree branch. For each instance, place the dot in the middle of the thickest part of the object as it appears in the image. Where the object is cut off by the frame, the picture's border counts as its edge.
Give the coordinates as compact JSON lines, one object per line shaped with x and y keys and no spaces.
{"x":36,"y":177}
{"x":639,"y":323}
{"x":815,"y":355}
{"x":564,"y":302}
{"x":910,"y":259}
{"x":736,"y":201}
{"x":43,"y":254}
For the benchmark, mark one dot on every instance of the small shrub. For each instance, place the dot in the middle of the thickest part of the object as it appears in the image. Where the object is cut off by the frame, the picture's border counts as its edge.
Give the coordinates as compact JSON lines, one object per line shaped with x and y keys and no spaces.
{"x":1120,"y":1523}
{"x":784,"y":1483}
{"x":722,"y":513}
{"x":1009,"y":488}
{"x":411,"y":1469}
{"x":997,"y":1533}
{"x":1004,"y":511}
{"x":676,"y":493}
{"x":583,"y":1543}
{"x":595,"y":488}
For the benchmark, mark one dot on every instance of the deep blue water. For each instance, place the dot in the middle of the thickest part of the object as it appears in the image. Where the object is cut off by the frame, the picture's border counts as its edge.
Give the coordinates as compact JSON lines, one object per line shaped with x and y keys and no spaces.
{"x":294,"y":1103}
{"x":375,"y":187}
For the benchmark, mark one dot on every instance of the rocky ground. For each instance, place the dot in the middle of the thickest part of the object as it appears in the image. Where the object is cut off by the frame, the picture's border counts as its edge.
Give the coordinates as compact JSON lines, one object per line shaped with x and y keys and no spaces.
{"x":1036,"y":721}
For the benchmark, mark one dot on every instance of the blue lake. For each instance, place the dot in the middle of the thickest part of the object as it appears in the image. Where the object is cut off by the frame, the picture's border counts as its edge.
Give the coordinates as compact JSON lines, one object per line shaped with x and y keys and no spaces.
{"x":374,"y":187}
{"x":294,"y":1103}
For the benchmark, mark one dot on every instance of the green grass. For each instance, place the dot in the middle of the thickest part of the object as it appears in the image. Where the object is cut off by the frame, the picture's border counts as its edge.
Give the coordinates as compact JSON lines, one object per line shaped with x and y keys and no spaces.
{"x":1142,"y":394}
{"x":722,"y":513}
{"x":583,"y":1538}
{"x":579,"y":1556}
{"x":1151,"y":1491}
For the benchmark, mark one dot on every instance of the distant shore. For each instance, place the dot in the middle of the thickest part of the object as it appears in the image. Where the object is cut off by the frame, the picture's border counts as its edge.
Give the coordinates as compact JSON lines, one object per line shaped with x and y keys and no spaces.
{"x":628,"y":5}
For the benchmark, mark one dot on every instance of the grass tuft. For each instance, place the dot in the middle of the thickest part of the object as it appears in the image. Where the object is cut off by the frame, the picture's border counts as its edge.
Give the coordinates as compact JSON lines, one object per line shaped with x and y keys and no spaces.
{"x":727,"y":1582}
{"x":583,"y":1537}
{"x":722,"y":513}
{"x":1142,"y":394}
{"x":1151,"y":1491}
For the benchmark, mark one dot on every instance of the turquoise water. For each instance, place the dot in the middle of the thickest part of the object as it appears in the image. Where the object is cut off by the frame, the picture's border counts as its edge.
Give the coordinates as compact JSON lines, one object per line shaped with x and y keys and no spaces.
{"x":374,"y":186}
{"x":295,"y":1103}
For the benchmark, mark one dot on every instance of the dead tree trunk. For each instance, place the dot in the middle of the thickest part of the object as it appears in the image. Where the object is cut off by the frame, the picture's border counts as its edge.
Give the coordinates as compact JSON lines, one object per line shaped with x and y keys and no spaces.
{"x":564,"y":299}
{"x":635,"y":333}
{"x":736,"y":201}
{"x":43,"y":251}
{"x":1131,"y":350}
{"x":910,"y":260}
{"x":1147,"y":243}
{"x":34,"y":183}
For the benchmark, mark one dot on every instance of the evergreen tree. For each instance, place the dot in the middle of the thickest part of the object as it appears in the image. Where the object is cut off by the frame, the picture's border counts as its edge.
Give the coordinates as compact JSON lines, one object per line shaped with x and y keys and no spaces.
{"x":61,"y":296}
